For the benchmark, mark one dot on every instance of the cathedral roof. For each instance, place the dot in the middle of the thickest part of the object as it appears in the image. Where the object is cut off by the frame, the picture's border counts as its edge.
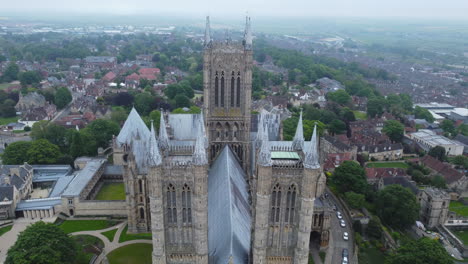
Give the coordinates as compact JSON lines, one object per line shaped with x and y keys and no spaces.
{"x":229,"y":217}
{"x":184,"y":126}
{"x":134,"y":128}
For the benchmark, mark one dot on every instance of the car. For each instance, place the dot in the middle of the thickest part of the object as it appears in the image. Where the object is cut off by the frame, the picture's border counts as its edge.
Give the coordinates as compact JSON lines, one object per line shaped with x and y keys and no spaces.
{"x":345,"y":236}
{"x":342,"y":223}
{"x":339,"y":215}
{"x":345,"y":260}
{"x":334,"y":208}
{"x":345,"y":253}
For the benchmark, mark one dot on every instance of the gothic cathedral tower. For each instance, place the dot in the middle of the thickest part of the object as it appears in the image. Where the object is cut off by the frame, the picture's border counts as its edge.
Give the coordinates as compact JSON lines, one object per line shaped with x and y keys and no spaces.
{"x":227,"y":82}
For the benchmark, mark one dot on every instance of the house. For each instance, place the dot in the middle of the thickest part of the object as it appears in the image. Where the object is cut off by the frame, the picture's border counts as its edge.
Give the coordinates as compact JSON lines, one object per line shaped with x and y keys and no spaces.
{"x":427,"y":139}
{"x":132,"y":81}
{"x":454,"y":179}
{"x":462,"y":140}
{"x":334,"y":160}
{"x":34,"y":115}
{"x":15,"y":184}
{"x":374,"y":175}
{"x":382,"y":152}
{"x":30,"y":101}
{"x":109,"y":77}
{"x":16,"y":126}
{"x":149,"y":74}
{"x":400,"y":180}
{"x":100,"y":62}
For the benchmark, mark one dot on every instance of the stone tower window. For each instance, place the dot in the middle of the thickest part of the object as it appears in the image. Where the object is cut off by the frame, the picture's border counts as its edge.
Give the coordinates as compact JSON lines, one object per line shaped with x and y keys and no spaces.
{"x":238,"y":90}
{"x":171,"y":205}
{"x":186,"y":205}
{"x":275,"y":204}
{"x":290,"y":205}
{"x":232,"y":90}
{"x":142,"y":213}
{"x":222,"y":89}
{"x":216,"y":89}
{"x":140,"y":185}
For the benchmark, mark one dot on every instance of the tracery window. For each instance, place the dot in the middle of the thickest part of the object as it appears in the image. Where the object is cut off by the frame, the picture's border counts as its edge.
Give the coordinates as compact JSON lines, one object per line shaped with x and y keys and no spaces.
{"x":216,"y":89}
{"x":275,"y":204}
{"x":290,"y":205}
{"x":238,"y":92}
{"x":186,"y":205}
{"x":222,"y":89}
{"x":232,"y":91}
{"x":171,"y":205}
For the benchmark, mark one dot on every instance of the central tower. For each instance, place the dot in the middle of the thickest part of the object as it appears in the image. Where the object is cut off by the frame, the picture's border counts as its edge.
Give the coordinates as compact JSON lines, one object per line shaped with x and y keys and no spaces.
{"x":227,"y":83}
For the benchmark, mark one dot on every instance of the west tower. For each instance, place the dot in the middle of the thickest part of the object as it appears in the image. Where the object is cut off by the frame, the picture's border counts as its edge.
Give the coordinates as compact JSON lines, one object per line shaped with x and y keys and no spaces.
{"x":227,"y":81}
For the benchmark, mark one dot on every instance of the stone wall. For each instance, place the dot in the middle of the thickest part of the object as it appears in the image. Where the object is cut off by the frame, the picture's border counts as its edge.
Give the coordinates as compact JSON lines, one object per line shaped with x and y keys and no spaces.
{"x":108,"y":208}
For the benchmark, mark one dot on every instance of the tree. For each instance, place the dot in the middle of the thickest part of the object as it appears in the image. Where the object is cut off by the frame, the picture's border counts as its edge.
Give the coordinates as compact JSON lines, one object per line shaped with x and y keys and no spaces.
{"x":422,"y":251}
{"x":16,"y":153}
{"x":350,"y":176}
{"x":438,"y":152}
{"x":182,"y":101}
{"x":423,"y":113}
{"x":155,"y":115}
{"x":29,"y":77}
{"x":43,"y":152}
{"x":340,"y":96}
{"x":448,"y":126}
{"x":374,"y":228}
{"x":10,"y":73}
{"x":42,"y":243}
{"x":102,"y":131}
{"x":7,"y":108}
{"x":461,"y":161}
{"x":62,"y":97}
{"x":144,"y":103}
{"x":76,"y":146}
{"x":123,"y":99}
{"x":375,"y":106}
{"x":397,"y":206}
{"x":119,"y":115}
{"x":38,"y":129}
{"x":336,"y":127}
{"x":355,"y":200}
{"x":439,"y":182}
{"x":394,"y":130}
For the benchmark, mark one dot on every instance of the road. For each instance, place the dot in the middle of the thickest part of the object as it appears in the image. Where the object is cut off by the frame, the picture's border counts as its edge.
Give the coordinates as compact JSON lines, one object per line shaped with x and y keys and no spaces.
{"x":337,"y":243}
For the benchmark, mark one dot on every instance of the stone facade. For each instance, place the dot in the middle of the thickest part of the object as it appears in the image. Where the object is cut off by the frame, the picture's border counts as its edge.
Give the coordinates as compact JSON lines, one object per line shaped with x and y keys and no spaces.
{"x":434,"y":207}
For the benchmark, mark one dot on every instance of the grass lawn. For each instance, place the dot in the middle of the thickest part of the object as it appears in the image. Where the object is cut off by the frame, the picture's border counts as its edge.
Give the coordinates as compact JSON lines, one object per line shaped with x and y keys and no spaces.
{"x":110,"y":234}
{"x":462,"y":235}
{"x":126,"y":237}
{"x":88,"y":246}
{"x":458,"y":208}
{"x":387,"y":165}
{"x":360,"y":115}
{"x":111,"y":191}
{"x":371,"y":256}
{"x":5,"y":229}
{"x":7,"y":120}
{"x":131,"y":254}
{"x":70,"y":226}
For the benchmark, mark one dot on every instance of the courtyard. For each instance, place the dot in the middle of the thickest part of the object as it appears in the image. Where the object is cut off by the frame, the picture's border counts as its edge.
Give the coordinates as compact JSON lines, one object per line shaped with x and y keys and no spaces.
{"x":111,"y":191}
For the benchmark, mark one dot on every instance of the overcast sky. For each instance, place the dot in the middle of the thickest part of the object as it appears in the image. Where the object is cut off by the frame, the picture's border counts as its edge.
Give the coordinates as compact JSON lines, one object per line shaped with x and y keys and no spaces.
{"x":455,"y":9}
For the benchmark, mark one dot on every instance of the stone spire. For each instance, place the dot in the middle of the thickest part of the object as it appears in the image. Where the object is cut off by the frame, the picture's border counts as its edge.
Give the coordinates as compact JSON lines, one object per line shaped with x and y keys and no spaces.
{"x":207,"y":32}
{"x":260,"y":131}
{"x":248,"y":34}
{"x":199,"y":154}
{"x":264,"y":157}
{"x":298,"y":141}
{"x":163,"y":138}
{"x":154,"y":157}
{"x":202,"y":122}
{"x":311,"y":160}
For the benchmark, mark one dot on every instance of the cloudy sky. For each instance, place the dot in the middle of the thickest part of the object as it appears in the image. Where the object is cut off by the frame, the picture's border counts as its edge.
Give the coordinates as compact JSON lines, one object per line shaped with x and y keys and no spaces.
{"x":455,"y":9}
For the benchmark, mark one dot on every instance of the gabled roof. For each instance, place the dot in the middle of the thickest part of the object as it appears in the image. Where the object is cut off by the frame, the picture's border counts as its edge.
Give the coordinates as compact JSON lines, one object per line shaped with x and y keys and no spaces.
{"x":133,"y":128}
{"x":229,"y":217}
{"x":6,"y":192}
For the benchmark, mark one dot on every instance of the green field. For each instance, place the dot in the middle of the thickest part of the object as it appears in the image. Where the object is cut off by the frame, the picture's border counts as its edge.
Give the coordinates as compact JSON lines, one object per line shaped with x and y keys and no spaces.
{"x":111,"y":191}
{"x":5,"y":229}
{"x":7,"y":120}
{"x":387,"y":165}
{"x":110,"y":234}
{"x":459,"y":208}
{"x":126,"y":237}
{"x":462,"y":235}
{"x":360,"y":115}
{"x":131,"y":254}
{"x":71,"y":226}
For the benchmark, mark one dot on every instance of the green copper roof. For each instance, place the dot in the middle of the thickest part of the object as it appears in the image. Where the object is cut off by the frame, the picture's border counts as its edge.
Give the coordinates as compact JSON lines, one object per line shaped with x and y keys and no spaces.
{"x":284,"y":155}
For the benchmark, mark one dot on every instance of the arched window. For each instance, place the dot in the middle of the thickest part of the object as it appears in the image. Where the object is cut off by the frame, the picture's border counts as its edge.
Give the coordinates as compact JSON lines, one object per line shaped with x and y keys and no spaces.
{"x":275,"y":204}
{"x":216,"y":90}
{"x":232,"y":90}
{"x":222,"y":91}
{"x":140,"y":185}
{"x":171,"y":204}
{"x":290,"y":205}
{"x":142,"y":213}
{"x":186,"y":205}
{"x":238,"y":92}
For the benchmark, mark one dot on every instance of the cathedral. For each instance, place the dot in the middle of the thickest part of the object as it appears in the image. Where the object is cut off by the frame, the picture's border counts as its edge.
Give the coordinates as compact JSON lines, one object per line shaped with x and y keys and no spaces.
{"x":221,"y":186}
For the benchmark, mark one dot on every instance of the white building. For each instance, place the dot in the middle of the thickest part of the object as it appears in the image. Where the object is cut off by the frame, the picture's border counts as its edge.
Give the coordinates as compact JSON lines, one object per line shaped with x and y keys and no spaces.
{"x":427,"y":139}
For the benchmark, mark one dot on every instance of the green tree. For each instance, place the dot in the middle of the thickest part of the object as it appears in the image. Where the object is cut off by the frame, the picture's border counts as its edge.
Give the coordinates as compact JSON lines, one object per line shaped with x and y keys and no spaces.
{"x":11,"y":72}
{"x":422,"y":251}
{"x":144,"y":103}
{"x":29,"y":77}
{"x":438,"y":181}
{"x":423,"y":113}
{"x":374,"y":228}
{"x":350,"y":176}
{"x":7,"y":108}
{"x":119,"y":114}
{"x":355,"y":200}
{"x":76,"y":146}
{"x":375,"y":106}
{"x":155,"y":115}
{"x":102,"y":131}
{"x":438,"y":152}
{"x":182,"y":101}
{"x":397,"y":206}
{"x":340,"y":96}
{"x":394,"y":130}
{"x":461,"y":161}
{"x":16,"y":153}
{"x":62,"y":97}
{"x":42,"y":243}
{"x":336,"y":127}
{"x":39,"y":129}
{"x":43,"y":152}
{"x":448,"y":126}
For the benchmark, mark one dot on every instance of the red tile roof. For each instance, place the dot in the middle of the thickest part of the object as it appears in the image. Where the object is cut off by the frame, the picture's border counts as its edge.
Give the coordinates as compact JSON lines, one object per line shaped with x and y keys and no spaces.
{"x":450,"y":174}
{"x":374,"y":173}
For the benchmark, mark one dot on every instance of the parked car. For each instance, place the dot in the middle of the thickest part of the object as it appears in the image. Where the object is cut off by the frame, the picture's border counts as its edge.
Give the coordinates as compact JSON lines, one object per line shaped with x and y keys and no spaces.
{"x":345,"y":252}
{"x":345,"y":260}
{"x":339,"y":215}
{"x":342,"y":223}
{"x":345,"y":236}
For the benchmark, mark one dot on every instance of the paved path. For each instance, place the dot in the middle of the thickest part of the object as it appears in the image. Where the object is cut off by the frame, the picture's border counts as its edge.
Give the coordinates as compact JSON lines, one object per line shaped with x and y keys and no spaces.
{"x":9,"y":238}
{"x":111,"y":245}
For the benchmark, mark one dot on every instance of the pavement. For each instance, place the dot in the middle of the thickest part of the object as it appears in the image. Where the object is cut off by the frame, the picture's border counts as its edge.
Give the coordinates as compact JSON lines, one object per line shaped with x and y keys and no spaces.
{"x":337,"y":243}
